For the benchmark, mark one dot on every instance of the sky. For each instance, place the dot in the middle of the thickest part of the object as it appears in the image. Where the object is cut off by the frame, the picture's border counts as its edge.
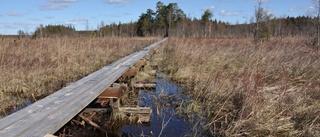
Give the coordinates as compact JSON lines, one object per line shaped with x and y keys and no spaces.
{"x":27,"y":15}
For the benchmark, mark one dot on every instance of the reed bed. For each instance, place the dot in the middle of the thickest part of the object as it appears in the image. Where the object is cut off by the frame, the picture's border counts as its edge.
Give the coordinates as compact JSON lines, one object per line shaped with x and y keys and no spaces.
{"x":32,"y":69}
{"x":243,"y":89}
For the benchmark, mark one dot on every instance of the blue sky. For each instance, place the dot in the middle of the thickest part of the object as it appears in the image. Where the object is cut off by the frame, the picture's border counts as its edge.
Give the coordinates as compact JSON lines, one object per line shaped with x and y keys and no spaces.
{"x":26,"y":15}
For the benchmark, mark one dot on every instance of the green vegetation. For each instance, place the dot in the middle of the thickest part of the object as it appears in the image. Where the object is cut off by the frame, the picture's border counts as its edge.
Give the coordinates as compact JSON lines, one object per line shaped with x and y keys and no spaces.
{"x":170,"y":20}
{"x":262,"y":23}
{"x":165,"y":18}
{"x":54,"y":31}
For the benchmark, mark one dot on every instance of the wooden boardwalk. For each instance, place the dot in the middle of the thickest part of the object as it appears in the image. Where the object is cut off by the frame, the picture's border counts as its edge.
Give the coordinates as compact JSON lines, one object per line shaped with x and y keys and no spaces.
{"x":49,"y":114}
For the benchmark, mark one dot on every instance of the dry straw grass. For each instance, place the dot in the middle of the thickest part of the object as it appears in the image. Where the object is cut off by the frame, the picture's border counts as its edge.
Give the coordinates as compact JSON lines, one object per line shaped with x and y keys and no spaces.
{"x":35,"y":68}
{"x":272,"y":89}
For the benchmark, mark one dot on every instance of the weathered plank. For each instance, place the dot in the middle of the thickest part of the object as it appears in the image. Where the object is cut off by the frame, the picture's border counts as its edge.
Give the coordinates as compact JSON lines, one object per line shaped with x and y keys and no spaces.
{"x":145,"y":85}
{"x":49,"y":135}
{"x":48,"y":115}
{"x":64,"y":91}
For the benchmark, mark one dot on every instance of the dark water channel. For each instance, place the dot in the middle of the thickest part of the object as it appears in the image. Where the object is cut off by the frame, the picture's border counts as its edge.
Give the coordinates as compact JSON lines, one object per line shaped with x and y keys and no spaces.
{"x":166,"y":100}
{"x":165,"y":121}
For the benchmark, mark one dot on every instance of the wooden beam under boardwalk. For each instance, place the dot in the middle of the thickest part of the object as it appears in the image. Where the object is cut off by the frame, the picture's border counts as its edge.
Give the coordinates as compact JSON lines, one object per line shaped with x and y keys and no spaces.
{"x":49,"y":114}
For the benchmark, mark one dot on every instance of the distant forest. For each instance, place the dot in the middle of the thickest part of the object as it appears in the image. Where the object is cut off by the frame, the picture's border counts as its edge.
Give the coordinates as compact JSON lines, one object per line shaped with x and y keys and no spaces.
{"x":170,"y":20}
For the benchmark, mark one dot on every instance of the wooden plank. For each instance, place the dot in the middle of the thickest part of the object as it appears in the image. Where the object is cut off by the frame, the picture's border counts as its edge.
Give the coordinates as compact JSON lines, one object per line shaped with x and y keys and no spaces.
{"x":136,"y":110}
{"x":19,"y":127}
{"x":63,"y":92}
{"x":145,"y":85}
{"x":49,"y":135}
{"x":72,"y":107}
{"x":76,"y":99}
{"x":48,"y":115}
{"x":104,"y":110}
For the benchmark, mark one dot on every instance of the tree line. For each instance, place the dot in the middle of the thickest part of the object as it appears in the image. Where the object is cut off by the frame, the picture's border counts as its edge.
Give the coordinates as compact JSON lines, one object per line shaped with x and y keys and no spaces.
{"x":170,"y":20}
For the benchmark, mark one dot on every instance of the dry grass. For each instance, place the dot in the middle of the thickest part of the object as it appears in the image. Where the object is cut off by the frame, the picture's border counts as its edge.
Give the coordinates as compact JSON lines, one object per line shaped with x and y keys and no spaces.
{"x":35,"y":68}
{"x":272,"y":89}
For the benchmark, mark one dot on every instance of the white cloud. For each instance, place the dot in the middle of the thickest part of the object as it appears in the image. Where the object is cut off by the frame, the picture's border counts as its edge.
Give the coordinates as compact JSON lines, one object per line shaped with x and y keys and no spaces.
{"x":54,"y":6}
{"x":226,"y":13}
{"x":70,"y":22}
{"x":262,"y":1}
{"x":115,"y":15}
{"x":64,"y":1}
{"x":311,"y":11}
{"x":77,"y":21}
{"x":311,"y":8}
{"x":35,"y":19}
{"x":57,"y":4}
{"x":118,"y":1}
{"x":49,"y":17}
{"x":126,"y":13}
{"x":16,"y":25}
{"x":209,"y":8}
{"x":14,"y":13}
{"x":295,"y":8}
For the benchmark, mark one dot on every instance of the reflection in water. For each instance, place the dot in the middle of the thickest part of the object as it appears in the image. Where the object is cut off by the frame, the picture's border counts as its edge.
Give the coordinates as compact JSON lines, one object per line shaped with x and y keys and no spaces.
{"x":164,"y":120}
{"x":166,"y":100}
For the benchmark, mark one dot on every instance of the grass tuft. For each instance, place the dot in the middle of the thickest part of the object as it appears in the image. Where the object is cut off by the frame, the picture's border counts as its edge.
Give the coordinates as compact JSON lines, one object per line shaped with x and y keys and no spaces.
{"x":272,"y":89}
{"x":33,"y":69}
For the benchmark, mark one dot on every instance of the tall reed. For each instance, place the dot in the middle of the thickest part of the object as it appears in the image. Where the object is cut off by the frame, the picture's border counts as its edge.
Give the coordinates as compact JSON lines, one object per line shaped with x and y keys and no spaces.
{"x":243,"y":89}
{"x":32,"y":69}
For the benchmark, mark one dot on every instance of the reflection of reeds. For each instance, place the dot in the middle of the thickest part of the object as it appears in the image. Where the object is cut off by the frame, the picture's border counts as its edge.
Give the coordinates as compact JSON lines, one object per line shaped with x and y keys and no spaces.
{"x":35,"y":68}
{"x":272,"y":89}
{"x":164,"y":124}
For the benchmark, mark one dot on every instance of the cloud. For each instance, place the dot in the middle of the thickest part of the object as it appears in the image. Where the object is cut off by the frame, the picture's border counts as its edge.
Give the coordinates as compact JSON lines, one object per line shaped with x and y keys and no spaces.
{"x":77,"y":21}
{"x":311,"y":8}
{"x":35,"y":19}
{"x":15,"y":14}
{"x":311,"y":11}
{"x":295,"y":8}
{"x":209,"y":8}
{"x":226,"y":13}
{"x":115,"y":15}
{"x":49,"y":17}
{"x":54,"y":6}
{"x":262,"y":1}
{"x":126,"y":13}
{"x":118,"y":1}
{"x":16,"y":25}
{"x":63,"y":1}
{"x":57,"y":4}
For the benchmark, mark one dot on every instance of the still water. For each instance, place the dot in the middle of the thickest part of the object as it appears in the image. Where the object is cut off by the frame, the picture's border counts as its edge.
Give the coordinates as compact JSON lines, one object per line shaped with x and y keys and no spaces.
{"x":164,"y":102}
